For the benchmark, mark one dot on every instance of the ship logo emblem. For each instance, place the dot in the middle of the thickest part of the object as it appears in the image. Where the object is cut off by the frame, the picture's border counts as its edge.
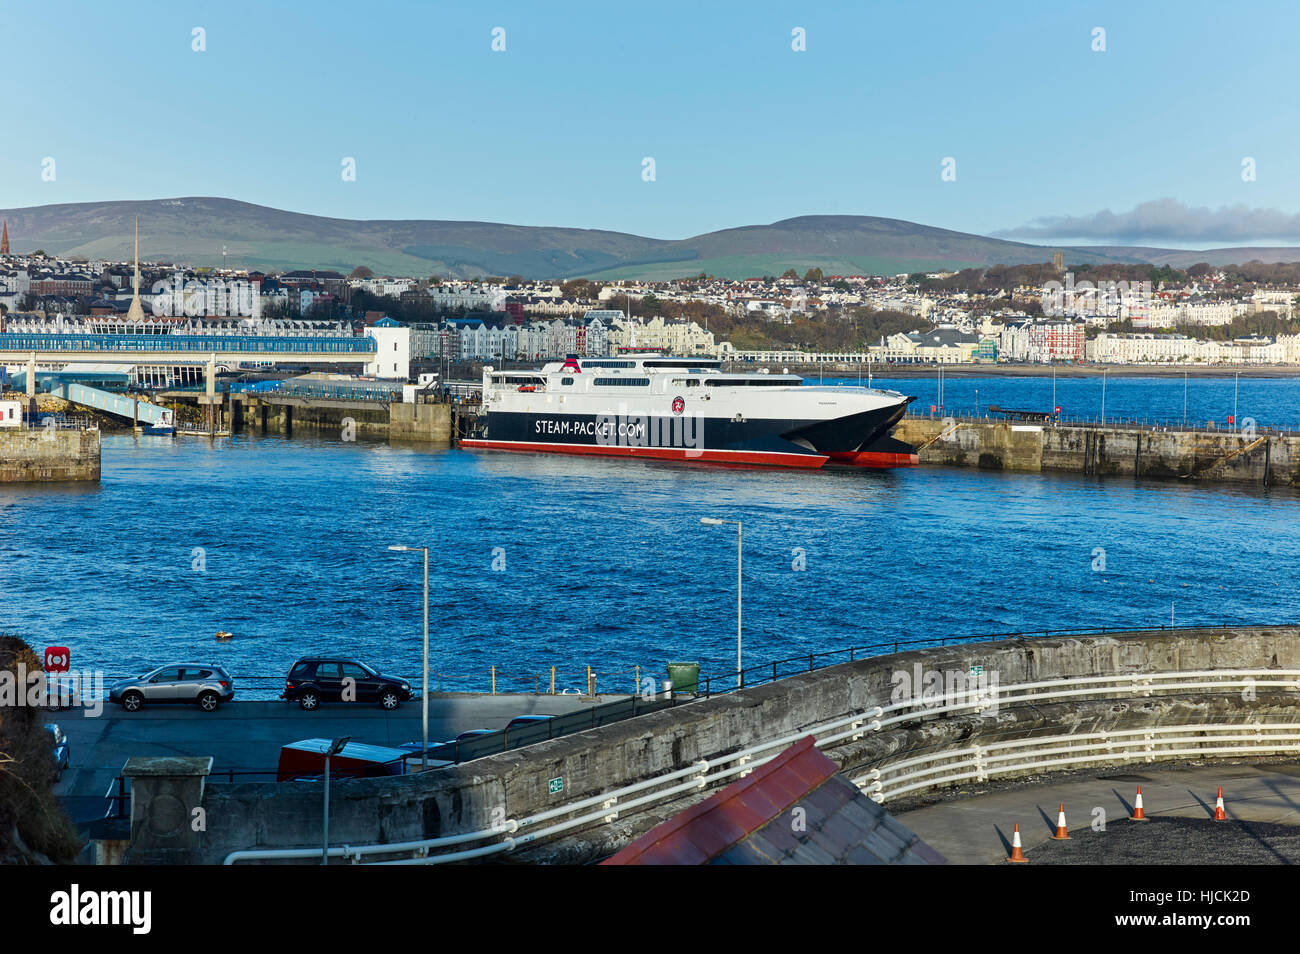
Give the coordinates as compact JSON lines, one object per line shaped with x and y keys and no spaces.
{"x":679,"y":405}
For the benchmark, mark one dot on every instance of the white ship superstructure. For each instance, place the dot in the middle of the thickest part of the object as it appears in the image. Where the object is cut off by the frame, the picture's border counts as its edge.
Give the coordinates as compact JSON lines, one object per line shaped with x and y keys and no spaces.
{"x":650,"y":405}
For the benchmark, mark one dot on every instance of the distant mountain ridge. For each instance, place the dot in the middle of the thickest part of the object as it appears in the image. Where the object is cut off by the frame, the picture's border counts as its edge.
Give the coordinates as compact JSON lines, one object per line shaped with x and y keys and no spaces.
{"x":194,"y":230}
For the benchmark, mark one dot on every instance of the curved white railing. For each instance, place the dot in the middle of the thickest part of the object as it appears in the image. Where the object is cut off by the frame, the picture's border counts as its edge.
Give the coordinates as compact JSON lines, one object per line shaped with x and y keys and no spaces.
{"x":976,"y":762}
{"x":981,"y":763}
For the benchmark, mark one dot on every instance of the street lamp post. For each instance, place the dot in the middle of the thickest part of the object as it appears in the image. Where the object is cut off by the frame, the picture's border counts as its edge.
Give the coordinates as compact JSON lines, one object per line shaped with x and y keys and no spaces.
{"x":714,"y":522}
{"x":335,"y":747}
{"x":424,"y":694}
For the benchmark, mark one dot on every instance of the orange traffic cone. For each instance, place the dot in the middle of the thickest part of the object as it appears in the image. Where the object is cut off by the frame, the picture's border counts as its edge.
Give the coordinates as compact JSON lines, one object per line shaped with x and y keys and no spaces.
{"x":1017,"y":853}
{"x":1138,"y":814}
{"x":1219,"y":813}
{"x":1062,"y":833}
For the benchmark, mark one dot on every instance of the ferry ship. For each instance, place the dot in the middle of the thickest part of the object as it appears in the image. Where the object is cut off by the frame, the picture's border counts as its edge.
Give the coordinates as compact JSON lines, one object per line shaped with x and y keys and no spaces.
{"x":689,"y":409}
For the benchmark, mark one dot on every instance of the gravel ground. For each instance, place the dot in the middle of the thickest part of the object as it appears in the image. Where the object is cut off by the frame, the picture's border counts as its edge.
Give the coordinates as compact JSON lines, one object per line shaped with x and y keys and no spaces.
{"x":1174,"y":841}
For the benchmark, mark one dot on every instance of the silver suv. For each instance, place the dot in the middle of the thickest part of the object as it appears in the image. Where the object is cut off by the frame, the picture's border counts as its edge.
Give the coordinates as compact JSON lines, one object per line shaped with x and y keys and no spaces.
{"x":207,"y":686}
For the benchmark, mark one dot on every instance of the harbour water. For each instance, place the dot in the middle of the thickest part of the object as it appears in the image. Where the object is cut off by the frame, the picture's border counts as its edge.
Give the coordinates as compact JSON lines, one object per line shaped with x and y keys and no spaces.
{"x":540,"y":561}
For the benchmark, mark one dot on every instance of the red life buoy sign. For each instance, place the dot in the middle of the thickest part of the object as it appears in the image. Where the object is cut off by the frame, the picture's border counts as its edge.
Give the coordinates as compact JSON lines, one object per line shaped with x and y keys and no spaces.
{"x":57,"y":658}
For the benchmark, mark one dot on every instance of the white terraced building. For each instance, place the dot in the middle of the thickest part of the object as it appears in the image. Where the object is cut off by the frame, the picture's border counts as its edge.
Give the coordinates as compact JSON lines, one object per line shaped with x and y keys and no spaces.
{"x":672,"y":337}
{"x":1179,"y":349}
{"x":532,"y":342}
{"x":1201,"y":313}
{"x":1146,"y":349}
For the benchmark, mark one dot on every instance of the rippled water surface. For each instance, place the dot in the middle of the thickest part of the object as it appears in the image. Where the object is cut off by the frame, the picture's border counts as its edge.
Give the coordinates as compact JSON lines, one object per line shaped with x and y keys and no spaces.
{"x":605,"y":562}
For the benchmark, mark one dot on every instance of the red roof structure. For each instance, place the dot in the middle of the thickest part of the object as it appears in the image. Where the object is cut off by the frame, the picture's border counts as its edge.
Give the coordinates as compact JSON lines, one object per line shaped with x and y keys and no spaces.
{"x":795,"y":809}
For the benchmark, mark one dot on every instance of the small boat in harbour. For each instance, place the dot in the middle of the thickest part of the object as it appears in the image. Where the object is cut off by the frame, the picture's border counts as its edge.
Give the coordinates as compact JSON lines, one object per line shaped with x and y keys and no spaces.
{"x":163,"y":427}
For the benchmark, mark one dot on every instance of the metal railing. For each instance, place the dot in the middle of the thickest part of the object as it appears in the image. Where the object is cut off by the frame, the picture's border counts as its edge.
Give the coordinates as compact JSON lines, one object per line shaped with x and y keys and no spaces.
{"x":1060,"y":752}
{"x":342,"y":392}
{"x":59,"y":422}
{"x":270,"y":688}
{"x":795,"y":665}
{"x":851,"y":727}
{"x":338,"y":391}
{"x":224,"y":387}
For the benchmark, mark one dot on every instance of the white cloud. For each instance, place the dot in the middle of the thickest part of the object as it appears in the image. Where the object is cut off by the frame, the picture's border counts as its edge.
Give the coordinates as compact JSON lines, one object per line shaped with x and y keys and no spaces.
{"x":1166,"y":220}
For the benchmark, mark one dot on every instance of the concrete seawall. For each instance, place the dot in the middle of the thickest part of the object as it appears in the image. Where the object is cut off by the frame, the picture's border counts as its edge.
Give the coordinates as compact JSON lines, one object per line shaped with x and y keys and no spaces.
{"x":473,"y":796}
{"x":1112,"y":450}
{"x":40,"y":455}
{"x":425,"y":423}
{"x":420,"y":422}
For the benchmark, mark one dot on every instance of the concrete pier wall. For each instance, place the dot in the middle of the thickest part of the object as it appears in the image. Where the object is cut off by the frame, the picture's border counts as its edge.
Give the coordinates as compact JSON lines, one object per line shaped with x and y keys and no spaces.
{"x":420,"y":422}
{"x":515,"y":784}
{"x":1116,"y":451}
{"x":37,"y":454}
{"x":427,"y":423}
{"x":287,"y":416}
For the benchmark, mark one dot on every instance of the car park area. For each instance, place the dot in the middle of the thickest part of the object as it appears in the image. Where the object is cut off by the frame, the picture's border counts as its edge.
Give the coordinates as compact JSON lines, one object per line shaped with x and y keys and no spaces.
{"x":245,"y":738}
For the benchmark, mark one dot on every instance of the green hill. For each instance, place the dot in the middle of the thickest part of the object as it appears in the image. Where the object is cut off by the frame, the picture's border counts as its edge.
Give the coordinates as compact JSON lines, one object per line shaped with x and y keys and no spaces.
{"x":196,"y":230}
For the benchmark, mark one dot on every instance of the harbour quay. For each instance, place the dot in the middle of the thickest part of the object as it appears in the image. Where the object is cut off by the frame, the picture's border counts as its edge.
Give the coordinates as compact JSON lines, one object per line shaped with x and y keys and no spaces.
{"x":907,"y":729}
{"x":1261,"y":457}
{"x":367,"y":415}
{"x":32,"y":454}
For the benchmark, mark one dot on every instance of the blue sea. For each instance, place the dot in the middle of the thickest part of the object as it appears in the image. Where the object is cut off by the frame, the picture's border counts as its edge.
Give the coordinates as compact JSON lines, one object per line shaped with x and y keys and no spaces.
{"x":540,"y":561}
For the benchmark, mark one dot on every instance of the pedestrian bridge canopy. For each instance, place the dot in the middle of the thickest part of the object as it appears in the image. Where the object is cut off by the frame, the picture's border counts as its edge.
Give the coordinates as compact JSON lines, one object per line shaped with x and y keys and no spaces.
{"x":17,"y":346}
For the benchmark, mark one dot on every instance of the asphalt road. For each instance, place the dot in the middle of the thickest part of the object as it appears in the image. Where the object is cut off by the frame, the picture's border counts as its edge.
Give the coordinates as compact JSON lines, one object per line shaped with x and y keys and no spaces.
{"x":246,"y":736}
{"x":1262,"y":802}
{"x":1177,"y":841}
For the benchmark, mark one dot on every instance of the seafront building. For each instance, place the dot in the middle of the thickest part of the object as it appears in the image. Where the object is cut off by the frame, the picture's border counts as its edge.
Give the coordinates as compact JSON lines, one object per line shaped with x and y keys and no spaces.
{"x":1180,"y":349}
{"x":521,"y":320}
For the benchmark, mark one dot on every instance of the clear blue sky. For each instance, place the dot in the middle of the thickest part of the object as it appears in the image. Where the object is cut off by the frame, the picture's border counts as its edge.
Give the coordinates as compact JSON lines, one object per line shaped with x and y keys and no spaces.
{"x":743,"y":129}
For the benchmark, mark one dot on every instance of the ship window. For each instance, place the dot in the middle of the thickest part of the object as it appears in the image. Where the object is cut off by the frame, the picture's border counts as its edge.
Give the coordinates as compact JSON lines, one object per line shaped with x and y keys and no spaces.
{"x":692,"y":364}
{"x":621,"y":382}
{"x":566,"y":380}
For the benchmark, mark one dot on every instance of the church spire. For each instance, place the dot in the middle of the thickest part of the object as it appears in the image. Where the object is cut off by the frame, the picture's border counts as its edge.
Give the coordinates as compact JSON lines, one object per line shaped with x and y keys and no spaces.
{"x":136,"y":311}
{"x":4,"y":239}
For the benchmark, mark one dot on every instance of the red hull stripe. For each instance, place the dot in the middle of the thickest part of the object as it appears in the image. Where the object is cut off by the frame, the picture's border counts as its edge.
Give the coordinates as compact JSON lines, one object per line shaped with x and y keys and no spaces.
{"x":764,"y":458}
{"x":876,"y":459}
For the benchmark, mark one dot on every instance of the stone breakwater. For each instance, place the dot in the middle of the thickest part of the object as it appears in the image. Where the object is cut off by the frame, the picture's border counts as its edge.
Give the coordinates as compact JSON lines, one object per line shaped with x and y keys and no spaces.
{"x":40,"y":455}
{"x":1266,"y":459}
